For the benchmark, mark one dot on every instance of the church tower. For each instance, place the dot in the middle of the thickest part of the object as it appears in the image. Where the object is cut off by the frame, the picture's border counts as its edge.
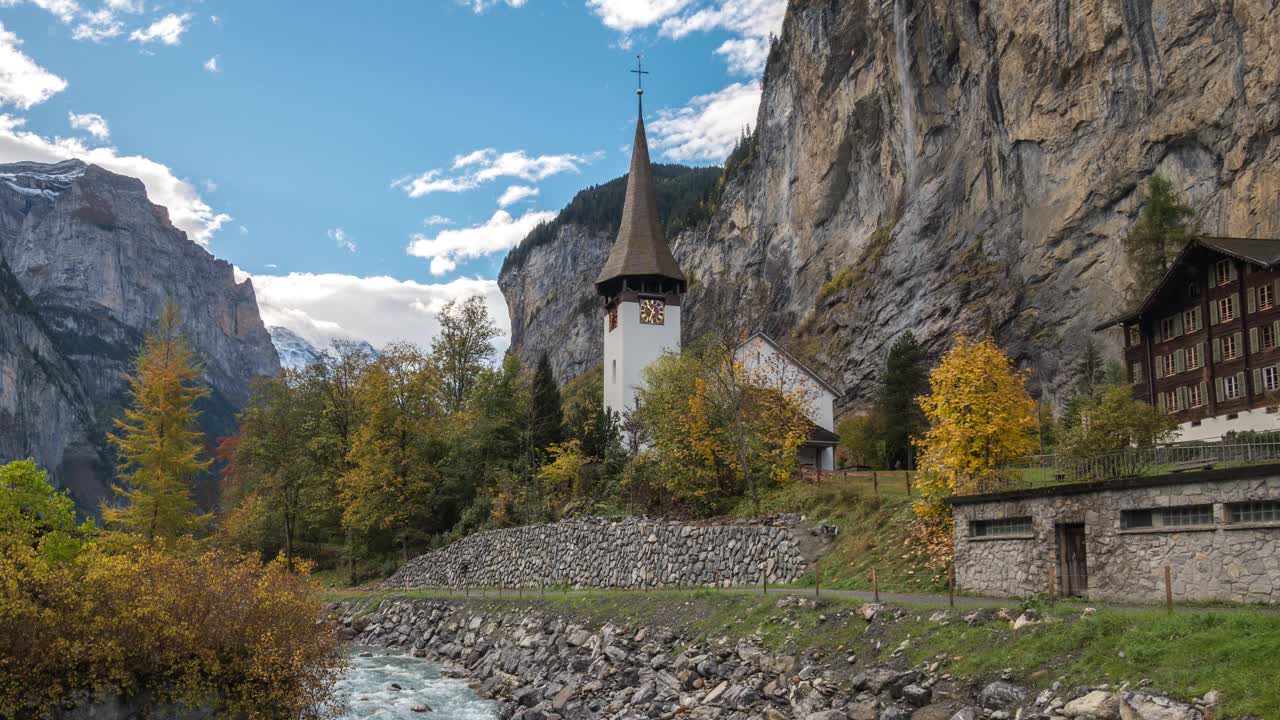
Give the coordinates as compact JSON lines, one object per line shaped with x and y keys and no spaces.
{"x":641,"y":285}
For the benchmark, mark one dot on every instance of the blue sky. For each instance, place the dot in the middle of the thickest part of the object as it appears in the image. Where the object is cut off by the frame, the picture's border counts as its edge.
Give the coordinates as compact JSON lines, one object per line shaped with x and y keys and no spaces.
{"x":366,"y":162}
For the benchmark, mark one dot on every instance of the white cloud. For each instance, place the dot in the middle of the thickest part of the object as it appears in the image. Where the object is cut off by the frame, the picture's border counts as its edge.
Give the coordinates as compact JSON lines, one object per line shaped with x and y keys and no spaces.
{"x":212,"y":64}
{"x":126,"y":6}
{"x":23,"y":83}
{"x":216,"y":20}
{"x":92,"y":123}
{"x":344,"y":241}
{"x":187,"y":210}
{"x":244,"y":230}
{"x":628,"y":15}
{"x":167,"y":30}
{"x":486,"y":165}
{"x":324,"y":307}
{"x":210,"y":186}
{"x":752,"y":21}
{"x":515,"y":194}
{"x":64,"y":10}
{"x":437,"y":220}
{"x":479,"y":6}
{"x":97,"y":26}
{"x":498,"y":233}
{"x":708,"y":127}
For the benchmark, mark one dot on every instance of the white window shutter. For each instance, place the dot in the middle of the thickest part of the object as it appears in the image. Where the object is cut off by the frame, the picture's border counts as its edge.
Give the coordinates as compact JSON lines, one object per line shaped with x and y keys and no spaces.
{"x":1217,"y":349}
{"x":1159,"y":366}
{"x":1213,"y":312}
{"x":1240,"y":382}
{"x":1232,"y":267}
{"x":1213,"y":275}
{"x":1253,"y":299}
{"x":1239,"y":342}
{"x":1253,"y":340}
{"x":1221,"y":394}
{"x":1160,"y":401}
{"x":1257,"y":381}
{"x":1182,"y":398}
{"x":1204,"y":392}
{"x":1177,"y":324}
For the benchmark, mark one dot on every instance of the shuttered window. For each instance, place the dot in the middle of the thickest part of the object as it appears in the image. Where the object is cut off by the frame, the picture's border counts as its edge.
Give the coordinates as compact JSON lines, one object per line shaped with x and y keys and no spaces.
{"x":1222,"y":272}
{"x":1195,"y":395}
{"x":1230,"y":347}
{"x":1191,"y":320}
{"x":1194,"y":359}
{"x":1266,"y":297}
{"x":1226,"y":309}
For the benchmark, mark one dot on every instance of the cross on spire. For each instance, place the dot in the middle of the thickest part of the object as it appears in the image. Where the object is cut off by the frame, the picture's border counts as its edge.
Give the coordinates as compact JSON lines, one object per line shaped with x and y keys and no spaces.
{"x":640,"y":73}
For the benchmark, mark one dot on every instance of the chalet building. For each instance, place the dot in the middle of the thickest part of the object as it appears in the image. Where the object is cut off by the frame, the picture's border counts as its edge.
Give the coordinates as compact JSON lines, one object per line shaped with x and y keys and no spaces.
{"x":1204,"y":345}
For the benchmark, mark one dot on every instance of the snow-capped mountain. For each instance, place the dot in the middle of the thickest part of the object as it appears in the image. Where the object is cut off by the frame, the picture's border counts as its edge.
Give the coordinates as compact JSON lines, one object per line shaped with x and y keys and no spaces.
{"x":296,"y":352}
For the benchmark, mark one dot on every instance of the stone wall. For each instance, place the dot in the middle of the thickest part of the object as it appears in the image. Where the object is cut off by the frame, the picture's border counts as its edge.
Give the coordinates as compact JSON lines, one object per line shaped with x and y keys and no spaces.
{"x":594,"y":552}
{"x":1238,"y":562}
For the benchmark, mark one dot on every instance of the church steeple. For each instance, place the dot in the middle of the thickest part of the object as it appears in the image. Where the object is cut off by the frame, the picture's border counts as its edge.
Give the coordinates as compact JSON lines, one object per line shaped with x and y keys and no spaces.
{"x":640,"y":258}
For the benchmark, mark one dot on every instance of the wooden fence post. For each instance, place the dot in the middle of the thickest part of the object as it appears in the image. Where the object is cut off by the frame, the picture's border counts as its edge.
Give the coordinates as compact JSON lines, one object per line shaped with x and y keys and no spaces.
{"x":951,"y":585}
{"x":908,"y":483}
{"x":875,"y":586}
{"x":875,"y":483}
{"x":817,"y":578}
{"x":1053,"y":583}
{"x":1168,"y":589}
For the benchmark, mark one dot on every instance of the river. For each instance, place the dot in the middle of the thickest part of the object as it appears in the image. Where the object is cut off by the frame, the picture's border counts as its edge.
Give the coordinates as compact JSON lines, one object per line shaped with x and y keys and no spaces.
{"x":368,"y":688}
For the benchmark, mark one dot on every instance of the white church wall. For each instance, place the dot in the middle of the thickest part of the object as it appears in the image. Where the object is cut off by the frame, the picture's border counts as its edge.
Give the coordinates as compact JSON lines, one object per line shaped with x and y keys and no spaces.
{"x":631,"y":347}
{"x":758,"y":355}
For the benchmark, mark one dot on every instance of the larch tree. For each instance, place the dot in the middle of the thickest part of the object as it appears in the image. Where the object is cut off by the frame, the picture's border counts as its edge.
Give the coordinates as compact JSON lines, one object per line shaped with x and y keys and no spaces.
{"x":980,"y":417}
{"x":159,"y":445}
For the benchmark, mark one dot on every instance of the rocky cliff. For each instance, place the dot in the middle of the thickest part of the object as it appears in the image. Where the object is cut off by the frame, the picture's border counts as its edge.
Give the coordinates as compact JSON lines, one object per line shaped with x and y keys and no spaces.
{"x":88,"y":263}
{"x":966,"y":167}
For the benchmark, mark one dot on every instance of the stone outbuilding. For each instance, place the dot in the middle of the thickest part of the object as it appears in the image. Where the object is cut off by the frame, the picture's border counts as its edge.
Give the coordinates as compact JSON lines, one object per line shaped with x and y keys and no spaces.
{"x":1218,"y":532}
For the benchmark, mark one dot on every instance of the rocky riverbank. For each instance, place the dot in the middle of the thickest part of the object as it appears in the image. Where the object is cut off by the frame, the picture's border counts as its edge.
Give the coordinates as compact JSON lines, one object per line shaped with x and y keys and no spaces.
{"x":543,"y":661}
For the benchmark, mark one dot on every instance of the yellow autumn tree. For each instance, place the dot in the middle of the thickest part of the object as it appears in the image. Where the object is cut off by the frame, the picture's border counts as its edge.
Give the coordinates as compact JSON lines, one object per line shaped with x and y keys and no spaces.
{"x":980,"y":417}
{"x":396,"y":449}
{"x":720,"y":427}
{"x":159,"y":444}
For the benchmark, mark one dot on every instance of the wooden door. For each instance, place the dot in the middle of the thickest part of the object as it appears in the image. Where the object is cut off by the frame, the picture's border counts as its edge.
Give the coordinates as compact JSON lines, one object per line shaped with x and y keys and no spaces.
{"x":1074,"y":569}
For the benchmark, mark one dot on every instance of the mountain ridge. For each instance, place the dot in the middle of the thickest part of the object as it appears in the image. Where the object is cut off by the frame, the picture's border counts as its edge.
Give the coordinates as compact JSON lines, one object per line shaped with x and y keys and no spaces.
{"x":944,"y":170}
{"x":88,"y":263}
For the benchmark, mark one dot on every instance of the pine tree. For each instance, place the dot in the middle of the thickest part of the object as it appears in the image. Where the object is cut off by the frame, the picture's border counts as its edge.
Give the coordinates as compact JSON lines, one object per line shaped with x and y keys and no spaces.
{"x":1159,"y":234}
{"x":898,"y":415}
{"x":159,"y":445}
{"x":546,"y":416}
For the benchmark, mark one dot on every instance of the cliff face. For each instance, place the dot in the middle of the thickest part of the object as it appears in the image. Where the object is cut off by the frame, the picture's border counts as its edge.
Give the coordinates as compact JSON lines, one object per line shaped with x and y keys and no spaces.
{"x":965,"y":167}
{"x":90,"y":263}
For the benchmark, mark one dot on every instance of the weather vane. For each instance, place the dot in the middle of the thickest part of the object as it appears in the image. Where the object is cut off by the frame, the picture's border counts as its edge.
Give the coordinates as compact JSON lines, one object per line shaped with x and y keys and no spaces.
{"x":640,"y":73}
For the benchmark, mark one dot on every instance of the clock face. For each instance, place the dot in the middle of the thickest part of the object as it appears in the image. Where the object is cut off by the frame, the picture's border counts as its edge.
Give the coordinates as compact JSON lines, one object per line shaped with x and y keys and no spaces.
{"x":652,"y":311}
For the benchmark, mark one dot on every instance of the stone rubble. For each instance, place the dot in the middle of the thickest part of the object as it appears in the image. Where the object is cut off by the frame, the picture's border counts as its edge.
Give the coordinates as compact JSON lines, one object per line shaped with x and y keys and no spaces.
{"x":540,"y":665}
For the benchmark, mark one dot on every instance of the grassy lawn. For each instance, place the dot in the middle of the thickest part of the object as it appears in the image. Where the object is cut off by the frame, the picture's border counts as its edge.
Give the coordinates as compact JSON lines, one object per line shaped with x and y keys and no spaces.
{"x":1185,"y":654}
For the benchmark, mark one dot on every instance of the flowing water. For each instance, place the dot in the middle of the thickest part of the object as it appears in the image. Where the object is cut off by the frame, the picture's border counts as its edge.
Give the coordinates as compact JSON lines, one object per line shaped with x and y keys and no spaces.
{"x":367,"y":690}
{"x":906,"y":89}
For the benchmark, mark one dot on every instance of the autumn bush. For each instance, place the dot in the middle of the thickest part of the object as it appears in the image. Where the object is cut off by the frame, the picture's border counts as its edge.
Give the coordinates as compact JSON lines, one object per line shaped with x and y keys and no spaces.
{"x":162,"y":623}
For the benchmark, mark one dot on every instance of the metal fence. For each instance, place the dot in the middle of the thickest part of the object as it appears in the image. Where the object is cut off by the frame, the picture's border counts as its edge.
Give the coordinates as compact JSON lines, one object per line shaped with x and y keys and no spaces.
{"x":1039,"y":470}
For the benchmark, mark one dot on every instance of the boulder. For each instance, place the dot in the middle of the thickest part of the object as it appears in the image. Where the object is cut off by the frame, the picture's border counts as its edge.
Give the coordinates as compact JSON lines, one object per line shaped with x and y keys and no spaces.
{"x":1143,"y":706}
{"x":1001,"y":694}
{"x":1098,"y":704}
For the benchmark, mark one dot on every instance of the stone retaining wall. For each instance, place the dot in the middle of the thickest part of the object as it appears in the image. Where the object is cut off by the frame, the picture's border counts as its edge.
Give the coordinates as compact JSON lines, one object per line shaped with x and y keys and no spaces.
{"x":595,"y":552}
{"x":1210,"y":561}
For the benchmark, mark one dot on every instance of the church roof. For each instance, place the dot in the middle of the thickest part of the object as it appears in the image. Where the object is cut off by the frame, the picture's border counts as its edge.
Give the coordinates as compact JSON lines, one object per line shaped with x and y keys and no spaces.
{"x":640,"y":249}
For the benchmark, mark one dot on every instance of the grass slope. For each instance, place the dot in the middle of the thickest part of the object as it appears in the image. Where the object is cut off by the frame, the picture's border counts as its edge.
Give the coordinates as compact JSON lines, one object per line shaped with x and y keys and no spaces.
{"x":874,"y":532}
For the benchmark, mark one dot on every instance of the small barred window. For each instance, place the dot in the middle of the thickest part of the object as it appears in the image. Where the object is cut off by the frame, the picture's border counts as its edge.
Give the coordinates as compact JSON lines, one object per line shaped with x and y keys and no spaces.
{"x":1258,"y":511}
{"x":1005,"y":526}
